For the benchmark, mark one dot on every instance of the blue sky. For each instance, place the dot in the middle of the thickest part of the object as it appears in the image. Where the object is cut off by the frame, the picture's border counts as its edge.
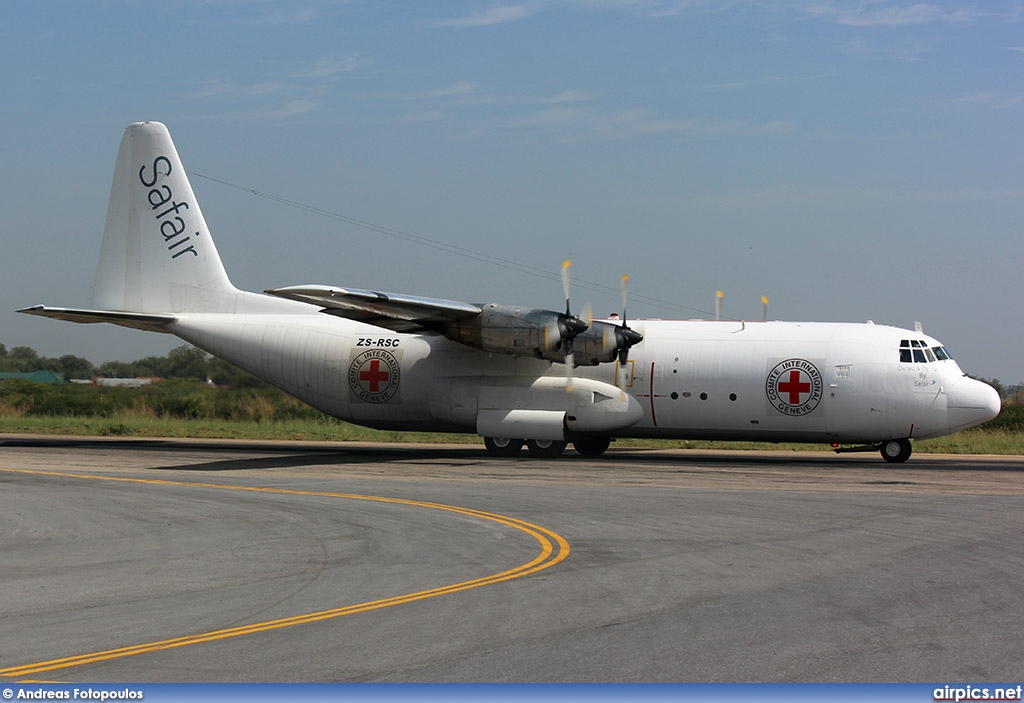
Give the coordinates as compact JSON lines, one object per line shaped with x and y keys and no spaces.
{"x":848,"y":160}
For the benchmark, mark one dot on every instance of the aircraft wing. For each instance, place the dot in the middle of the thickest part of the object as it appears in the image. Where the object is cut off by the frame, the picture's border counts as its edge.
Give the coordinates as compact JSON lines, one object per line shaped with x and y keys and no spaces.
{"x":394,"y":311}
{"x":135,"y":320}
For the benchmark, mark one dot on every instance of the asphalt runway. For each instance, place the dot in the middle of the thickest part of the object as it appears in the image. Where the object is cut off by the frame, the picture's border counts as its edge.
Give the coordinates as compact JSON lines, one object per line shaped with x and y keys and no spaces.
{"x":153,"y":561}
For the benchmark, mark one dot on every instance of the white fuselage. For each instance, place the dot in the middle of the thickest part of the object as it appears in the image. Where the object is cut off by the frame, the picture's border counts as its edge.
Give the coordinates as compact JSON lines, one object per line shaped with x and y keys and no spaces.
{"x":774,"y":381}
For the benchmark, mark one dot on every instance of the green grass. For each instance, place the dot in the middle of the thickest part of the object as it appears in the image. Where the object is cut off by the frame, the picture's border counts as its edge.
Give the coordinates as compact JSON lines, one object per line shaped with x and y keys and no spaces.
{"x":181,"y":408}
{"x":126,"y":424}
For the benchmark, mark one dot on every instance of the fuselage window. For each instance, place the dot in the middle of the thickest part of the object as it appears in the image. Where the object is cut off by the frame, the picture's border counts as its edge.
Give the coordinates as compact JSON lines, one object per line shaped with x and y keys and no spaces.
{"x":941,"y":353}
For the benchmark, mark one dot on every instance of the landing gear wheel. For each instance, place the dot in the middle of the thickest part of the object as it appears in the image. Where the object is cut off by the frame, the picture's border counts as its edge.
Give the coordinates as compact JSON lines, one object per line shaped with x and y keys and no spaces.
{"x":545,"y":448}
{"x":591,"y":446}
{"x":503,"y":446}
{"x":896,"y":451}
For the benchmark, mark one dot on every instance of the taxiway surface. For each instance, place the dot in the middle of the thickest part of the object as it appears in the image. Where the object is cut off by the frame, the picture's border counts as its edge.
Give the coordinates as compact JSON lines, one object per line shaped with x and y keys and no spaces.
{"x":150,"y":560}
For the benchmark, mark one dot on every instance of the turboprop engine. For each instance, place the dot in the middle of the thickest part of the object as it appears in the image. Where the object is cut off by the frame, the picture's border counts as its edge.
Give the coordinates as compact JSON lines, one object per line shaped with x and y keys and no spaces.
{"x":507,"y":329}
{"x":544,"y":333}
{"x":604,"y":342}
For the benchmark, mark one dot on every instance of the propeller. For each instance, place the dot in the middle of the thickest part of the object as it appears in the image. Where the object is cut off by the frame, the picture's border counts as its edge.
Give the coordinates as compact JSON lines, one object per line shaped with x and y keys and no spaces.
{"x":626,"y":337}
{"x":569,"y":326}
{"x":565,"y":284}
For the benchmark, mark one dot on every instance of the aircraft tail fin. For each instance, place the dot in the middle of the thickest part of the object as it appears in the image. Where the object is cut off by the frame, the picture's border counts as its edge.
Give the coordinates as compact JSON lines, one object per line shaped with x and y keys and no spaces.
{"x":157,"y":254}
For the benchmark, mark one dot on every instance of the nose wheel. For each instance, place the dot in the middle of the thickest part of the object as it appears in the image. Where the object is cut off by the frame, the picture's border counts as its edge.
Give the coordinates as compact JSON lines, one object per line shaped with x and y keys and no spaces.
{"x":896,"y":451}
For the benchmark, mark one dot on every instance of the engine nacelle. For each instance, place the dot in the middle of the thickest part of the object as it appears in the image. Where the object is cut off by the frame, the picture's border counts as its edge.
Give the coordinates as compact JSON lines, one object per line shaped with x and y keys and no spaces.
{"x":507,"y":329}
{"x":603,"y":342}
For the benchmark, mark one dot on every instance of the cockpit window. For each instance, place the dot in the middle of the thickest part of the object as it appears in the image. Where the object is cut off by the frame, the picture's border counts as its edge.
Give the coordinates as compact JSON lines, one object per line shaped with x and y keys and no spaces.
{"x":918,"y":352}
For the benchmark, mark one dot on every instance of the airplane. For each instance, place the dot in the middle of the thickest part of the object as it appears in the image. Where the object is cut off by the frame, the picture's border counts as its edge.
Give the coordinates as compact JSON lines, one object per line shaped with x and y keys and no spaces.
{"x":513,"y":375}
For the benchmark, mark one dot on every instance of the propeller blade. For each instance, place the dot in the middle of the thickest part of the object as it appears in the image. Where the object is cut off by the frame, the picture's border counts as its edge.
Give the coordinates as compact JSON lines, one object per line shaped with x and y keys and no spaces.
{"x":624,"y":336}
{"x":625,"y":291}
{"x":565,"y":284}
{"x":569,"y":327}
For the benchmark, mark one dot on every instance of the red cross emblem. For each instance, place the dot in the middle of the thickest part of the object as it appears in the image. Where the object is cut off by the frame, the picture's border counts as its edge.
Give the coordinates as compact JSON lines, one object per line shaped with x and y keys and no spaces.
{"x":373,"y":376}
{"x":794,"y":387}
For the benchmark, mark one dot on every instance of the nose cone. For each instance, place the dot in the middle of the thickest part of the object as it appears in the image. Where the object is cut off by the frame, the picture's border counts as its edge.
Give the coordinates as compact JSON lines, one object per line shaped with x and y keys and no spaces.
{"x":970,"y":403}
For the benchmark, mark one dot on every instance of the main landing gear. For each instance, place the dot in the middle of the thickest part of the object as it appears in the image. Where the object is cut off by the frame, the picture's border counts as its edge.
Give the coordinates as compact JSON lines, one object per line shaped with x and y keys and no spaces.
{"x":503,"y":446}
{"x":545,"y":448}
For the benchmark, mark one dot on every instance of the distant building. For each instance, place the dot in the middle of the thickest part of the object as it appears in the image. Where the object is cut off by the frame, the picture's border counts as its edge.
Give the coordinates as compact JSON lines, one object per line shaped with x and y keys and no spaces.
{"x":52,"y":378}
{"x":48,"y":377}
{"x":124,"y":382}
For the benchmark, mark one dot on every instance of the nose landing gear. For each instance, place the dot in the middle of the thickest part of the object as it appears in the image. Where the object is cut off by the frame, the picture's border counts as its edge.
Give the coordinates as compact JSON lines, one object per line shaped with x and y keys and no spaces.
{"x":896,"y":451}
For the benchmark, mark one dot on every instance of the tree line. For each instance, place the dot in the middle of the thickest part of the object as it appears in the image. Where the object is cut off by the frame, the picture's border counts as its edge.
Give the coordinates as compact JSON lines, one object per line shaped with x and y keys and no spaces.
{"x":183,"y":362}
{"x":195,"y":386}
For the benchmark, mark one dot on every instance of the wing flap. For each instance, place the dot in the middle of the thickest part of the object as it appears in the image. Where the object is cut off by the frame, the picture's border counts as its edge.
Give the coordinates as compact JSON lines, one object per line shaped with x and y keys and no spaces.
{"x":395,"y":311}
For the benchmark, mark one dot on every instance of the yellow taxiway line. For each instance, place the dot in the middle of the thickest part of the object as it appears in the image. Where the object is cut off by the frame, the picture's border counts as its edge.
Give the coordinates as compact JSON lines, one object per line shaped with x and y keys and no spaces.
{"x":554,"y":549}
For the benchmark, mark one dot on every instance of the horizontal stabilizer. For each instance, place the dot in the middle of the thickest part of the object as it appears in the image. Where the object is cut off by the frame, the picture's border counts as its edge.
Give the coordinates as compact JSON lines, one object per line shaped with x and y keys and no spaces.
{"x":394,"y":311}
{"x":136,"y":320}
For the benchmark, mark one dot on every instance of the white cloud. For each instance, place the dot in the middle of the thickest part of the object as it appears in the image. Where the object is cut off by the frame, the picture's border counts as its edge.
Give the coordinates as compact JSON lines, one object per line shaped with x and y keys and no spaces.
{"x":500,"y":14}
{"x":504,"y":14}
{"x":285,"y":110}
{"x":562,"y":98}
{"x":792,"y":195}
{"x":223,"y":89}
{"x":876,"y":14}
{"x":566,"y":96}
{"x":571,"y":124}
{"x":988,"y":101}
{"x":457,"y":89}
{"x":554,"y":115}
{"x":418,"y":117}
{"x":328,"y":67}
{"x":861,"y":48}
